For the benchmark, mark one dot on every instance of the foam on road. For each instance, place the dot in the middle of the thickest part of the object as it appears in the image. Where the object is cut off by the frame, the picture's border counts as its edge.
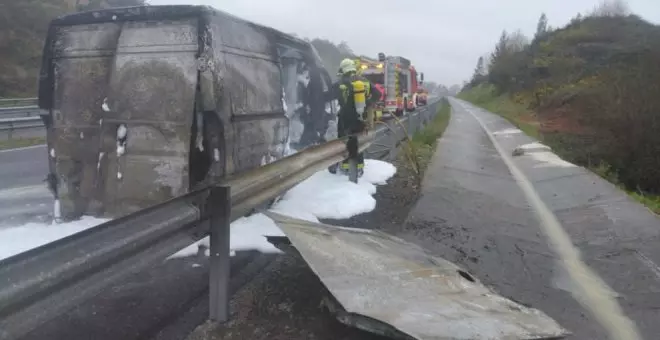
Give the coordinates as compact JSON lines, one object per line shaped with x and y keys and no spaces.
{"x":23,"y":193}
{"x":323,"y":195}
{"x":20,"y":205}
{"x":15,"y":240}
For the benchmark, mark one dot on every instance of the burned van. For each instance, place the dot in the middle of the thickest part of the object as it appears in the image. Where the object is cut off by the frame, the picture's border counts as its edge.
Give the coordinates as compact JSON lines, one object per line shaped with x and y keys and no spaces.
{"x":147,"y":103}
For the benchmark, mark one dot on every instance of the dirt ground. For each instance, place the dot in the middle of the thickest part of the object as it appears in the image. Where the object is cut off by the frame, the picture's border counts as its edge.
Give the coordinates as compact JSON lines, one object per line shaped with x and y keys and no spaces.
{"x":284,"y":301}
{"x":395,"y":200}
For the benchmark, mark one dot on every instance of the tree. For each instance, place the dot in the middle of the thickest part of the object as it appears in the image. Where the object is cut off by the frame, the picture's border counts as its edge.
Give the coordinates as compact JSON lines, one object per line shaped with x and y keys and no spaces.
{"x":516,"y":42}
{"x":430,"y":86}
{"x":23,"y":28}
{"x":480,"y":74}
{"x":456,"y":89}
{"x":576,"y":19}
{"x":541,"y":27}
{"x":345,"y":49}
{"x":500,"y":48}
{"x":508,"y":64}
{"x":480,"y":70}
{"x":332,"y":54}
{"x":611,"y":8}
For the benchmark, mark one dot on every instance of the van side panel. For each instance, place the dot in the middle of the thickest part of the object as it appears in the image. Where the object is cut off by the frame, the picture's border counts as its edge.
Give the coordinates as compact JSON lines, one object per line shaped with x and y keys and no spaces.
{"x":123,"y":106}
{"x":152,"y":93}
{"x":122,"y":87}
{"x":82,"y":61}
{"x":250,"y":93}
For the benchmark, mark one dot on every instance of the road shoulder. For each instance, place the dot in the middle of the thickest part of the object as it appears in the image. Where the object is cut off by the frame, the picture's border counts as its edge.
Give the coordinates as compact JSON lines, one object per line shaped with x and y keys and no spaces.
{"x":472,"y":212}
{"x":284,"y":300}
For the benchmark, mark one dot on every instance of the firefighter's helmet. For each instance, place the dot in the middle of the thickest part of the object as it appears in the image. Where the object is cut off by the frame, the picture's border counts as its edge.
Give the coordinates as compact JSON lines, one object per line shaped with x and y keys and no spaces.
{"x":347,"y":65}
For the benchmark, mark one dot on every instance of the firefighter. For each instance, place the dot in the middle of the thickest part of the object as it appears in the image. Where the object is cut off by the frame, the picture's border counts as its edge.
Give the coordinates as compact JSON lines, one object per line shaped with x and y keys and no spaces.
{"x":354,"y":94}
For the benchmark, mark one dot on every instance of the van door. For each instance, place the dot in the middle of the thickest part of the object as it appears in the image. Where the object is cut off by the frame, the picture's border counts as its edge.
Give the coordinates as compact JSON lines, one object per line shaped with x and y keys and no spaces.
{"x":148,"y":122}
{"x":80,"y":64}
{"x":252,"y":93}
{"x":122,"y":111}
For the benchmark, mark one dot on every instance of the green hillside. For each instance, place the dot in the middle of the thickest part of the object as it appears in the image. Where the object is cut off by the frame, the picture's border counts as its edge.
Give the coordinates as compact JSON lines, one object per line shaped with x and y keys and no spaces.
{"x":591,"y":90}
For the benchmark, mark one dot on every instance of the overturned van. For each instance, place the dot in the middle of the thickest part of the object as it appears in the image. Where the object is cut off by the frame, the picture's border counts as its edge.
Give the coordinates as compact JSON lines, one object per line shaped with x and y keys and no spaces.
{"x":147,"y":103}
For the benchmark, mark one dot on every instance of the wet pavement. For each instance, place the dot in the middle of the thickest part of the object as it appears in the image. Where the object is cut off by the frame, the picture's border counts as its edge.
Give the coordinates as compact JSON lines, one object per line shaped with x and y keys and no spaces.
{"x":24,"y":196}
{"x":472,"y":212}
{"x":23,"y":166}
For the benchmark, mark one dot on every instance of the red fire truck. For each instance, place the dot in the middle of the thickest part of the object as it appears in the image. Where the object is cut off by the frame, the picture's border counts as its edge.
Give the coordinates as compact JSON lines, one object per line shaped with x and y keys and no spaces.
{"x":397,"y":77}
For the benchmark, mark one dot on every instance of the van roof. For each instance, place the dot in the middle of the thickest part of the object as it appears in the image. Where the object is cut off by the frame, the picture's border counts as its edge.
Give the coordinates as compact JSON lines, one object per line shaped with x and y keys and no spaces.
{"x":135,"y":13}
{"x":146,"y":13}
{"x":160,"y":12}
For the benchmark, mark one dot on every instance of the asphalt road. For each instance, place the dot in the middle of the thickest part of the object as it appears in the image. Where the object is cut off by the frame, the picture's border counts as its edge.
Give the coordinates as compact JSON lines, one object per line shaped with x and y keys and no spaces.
{"x":473,"y":212}
{"x":23,"y":194}
{"x":23,"y":166}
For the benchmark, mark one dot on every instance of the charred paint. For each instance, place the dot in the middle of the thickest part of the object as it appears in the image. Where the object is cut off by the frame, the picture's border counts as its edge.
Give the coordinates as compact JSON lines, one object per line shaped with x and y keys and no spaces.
{"x":199,"y":91}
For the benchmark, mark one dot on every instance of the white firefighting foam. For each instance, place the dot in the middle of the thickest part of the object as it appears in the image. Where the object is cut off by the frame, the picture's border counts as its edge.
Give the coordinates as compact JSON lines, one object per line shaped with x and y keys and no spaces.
{"x":323,"y":195}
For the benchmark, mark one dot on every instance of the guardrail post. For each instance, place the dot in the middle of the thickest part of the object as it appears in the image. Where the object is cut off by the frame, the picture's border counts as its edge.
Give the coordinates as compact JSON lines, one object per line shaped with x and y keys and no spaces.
{"x":219,"y":205}
{"x":392,"y":140}
{"x":352,"y":146}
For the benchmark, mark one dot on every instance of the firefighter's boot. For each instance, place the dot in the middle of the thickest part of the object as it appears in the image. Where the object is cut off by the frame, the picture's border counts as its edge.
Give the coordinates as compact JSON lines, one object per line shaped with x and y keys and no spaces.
{"x":345,"y":167}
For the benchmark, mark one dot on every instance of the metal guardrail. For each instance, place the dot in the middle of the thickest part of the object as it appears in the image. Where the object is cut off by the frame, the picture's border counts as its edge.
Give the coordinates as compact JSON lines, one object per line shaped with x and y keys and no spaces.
{"x":18,"y":102}
{"x":39,"y":284}
{"x":18,"y":116}
{"x":15,"y":119}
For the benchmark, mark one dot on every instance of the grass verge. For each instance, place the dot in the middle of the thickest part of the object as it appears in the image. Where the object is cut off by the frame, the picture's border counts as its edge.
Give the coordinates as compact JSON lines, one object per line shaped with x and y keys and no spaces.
{"x":651,"y":201}
{"x":419,"y":148}
{"x":517,"y":114}
{"x":485,"y":96}
{"x":20,"y":143}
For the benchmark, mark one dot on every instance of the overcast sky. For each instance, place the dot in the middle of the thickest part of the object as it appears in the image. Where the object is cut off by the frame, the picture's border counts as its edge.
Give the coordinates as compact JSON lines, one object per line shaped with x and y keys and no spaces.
{"x":442,"y":38}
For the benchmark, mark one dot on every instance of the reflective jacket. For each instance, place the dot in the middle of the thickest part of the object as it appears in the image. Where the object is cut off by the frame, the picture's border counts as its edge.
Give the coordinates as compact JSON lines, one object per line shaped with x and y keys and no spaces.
{"x":342,"y":91}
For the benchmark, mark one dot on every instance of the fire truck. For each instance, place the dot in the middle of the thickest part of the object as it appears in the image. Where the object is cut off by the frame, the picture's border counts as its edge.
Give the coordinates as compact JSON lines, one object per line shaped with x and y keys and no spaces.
{"x":396,"y":77}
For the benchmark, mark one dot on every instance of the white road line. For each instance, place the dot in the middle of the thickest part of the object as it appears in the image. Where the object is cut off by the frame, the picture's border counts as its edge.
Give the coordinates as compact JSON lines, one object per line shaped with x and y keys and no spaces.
{"x":648,"y":263}
{"x":24,"y":148}
{"x":592,"y":292}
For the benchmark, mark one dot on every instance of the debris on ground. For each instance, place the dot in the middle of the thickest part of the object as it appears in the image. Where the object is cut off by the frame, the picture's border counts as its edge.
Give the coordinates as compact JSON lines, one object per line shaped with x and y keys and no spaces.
{"x":285,"y":300}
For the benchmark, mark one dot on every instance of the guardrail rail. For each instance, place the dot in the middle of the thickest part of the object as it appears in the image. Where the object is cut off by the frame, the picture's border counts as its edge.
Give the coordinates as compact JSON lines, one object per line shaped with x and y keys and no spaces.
{"x":42,"y":283}
{"x":5,"y":102}
{"x":20,"y":117}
